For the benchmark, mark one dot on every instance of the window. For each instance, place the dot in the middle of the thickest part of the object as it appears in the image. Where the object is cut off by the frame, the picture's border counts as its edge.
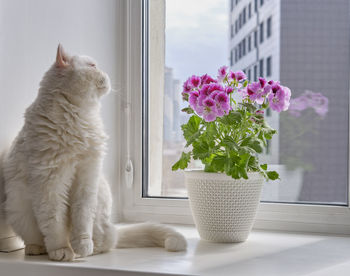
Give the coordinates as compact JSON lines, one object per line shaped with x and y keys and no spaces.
{"x":250,"y":10}
{"x":261,"y":68}
{"x":231,"y":57}
{"x":232,"y":5}
{"x":316,"y":186}
{"x":249,"y":74}
{"x":236,"y":26}
{"x":232,"y":31}
{"x":249,"y":43}
{"x":255,"y":72}
{"x":244,"y":15}
{"x":236,"y":54}
{"x":256,"y":5}
{"x":240,"y":21}
{"x":268,"y":67}
{"x":255,"y":39}
{"x":261,"y":31}
{"x":240,"y":50}
{"x":244,"y":48}
{"x":269,"y":26}
{"x":261,"y":2}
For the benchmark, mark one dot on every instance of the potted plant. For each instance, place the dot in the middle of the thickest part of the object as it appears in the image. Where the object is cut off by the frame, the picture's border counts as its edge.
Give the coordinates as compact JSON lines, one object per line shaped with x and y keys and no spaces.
{"x":226,"y":132}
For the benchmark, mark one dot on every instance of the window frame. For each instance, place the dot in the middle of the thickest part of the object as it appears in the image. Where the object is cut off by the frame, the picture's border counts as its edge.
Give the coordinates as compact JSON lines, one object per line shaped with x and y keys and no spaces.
{"x":270,"y":216}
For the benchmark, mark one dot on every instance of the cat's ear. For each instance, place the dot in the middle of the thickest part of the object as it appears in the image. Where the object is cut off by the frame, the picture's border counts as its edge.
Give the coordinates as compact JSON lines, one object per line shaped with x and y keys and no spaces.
{"x":61,"y":57}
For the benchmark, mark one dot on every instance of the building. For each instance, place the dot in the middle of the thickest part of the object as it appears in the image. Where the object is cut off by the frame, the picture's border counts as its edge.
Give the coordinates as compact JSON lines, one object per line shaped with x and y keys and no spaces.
{"x":172,"y":109}
{"x":305,"y":45}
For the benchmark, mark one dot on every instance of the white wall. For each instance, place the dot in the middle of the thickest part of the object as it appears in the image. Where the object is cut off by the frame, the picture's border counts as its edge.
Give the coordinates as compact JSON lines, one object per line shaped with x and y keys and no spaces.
{"x":30,"y":31}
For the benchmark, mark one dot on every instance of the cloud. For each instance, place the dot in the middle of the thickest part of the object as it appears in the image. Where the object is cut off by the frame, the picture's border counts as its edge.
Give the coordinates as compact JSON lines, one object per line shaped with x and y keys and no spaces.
{"x":196,"y":36}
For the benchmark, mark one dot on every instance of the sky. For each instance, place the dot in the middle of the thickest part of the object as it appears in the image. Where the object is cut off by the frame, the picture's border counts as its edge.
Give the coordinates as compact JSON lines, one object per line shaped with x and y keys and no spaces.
{"x":196,"y":36}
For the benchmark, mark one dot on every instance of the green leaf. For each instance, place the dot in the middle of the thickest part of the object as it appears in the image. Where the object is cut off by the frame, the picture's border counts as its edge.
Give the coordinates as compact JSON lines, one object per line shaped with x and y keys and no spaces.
{"x":246,"y":141}
{"x":268,"y":131}
{"x":208,"y":168}
{"x":272,"y":175}
{"x":250,"y":107}
{"x":218,"y":163}
{"x":183,"y":162}
{"x":243,"y":172}
{"x":210,"y":132}
{"x":230,"y":143}
{"x":233,"y":117}
{"x":253,"y":164}
{"x":265,"y":105}
{"x":200,"y":149}
{"x":253,"y":143}
{"x":264,"y":167}
{"x":245,"y":83}
{"x":188,"y":110}
{"x":191,"y":130}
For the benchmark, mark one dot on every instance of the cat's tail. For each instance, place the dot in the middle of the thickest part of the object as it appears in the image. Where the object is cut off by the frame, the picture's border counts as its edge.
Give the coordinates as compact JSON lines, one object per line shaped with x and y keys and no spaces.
{"x":150,"y":235}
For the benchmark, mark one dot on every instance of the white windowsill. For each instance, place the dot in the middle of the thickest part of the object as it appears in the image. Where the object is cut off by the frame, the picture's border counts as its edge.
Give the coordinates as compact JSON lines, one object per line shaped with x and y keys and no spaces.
{"x":264,"y":253}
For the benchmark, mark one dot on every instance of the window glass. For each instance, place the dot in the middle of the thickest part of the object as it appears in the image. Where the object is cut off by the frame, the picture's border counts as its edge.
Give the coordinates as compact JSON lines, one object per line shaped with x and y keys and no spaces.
{"x":255,"y":39}
{"x":261,"y":68}
{"x":249,"y":43}
{"x":311,"y":57}
{"x":261,"y":32}
{"x":268,"y":67}
{"x":269,"y":20}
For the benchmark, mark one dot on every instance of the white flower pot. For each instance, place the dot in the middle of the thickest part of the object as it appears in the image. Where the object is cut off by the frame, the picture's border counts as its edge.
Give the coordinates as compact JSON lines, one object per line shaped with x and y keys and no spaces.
{"x":223,"y":208}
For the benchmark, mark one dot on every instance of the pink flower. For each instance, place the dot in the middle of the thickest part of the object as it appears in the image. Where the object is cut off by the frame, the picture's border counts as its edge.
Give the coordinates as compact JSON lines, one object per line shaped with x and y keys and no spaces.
{"x":258,"y":90}
{"x":279,"y":98}
{"x":209,"y":110}
{"x":193,"y":100}
{"x":206,"y":79}
{"x":231,"y":75}
{"x":187,"y":86}
{"x":207,"y":89}
{"x":222,"y":73}
{"x":194,"y":81}
{"x":222,"y":104}
{"x":240,"y":75}
{"x":229,"y":89}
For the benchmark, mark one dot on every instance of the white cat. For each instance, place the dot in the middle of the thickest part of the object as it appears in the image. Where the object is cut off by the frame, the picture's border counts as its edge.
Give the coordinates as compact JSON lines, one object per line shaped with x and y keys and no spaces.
{"x":57,"y":199}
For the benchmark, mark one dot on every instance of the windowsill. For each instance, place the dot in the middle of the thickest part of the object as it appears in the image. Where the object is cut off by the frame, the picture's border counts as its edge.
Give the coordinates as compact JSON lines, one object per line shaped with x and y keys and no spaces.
{"x":264,"y":253}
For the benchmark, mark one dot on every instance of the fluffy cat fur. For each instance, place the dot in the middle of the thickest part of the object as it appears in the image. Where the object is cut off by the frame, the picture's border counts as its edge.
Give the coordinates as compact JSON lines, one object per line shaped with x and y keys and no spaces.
{"x":57,"y":199}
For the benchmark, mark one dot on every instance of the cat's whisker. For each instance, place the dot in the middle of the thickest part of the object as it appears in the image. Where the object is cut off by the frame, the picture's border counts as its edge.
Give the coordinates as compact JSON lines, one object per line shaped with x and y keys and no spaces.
{"x":120,"y":95}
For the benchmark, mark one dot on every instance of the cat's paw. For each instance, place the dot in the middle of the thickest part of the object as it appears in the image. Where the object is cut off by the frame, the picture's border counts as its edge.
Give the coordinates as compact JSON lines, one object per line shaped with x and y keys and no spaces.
{"x":64,"y":254}
{"x":83,"y":247}
{"x":175,"y":242}
{"x":34,"y":249}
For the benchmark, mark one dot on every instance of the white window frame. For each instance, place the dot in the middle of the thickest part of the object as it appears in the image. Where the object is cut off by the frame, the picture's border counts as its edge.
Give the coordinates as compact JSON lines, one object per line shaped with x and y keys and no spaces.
{"x":270,"y":216}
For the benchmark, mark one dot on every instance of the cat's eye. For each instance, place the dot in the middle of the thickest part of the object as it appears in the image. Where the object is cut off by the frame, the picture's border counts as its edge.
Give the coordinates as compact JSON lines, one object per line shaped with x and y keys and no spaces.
{"x":92,"y":65}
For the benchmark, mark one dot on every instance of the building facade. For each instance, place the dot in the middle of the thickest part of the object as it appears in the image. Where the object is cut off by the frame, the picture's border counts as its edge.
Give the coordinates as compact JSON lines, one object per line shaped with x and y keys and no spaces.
{"x":305,"y":45}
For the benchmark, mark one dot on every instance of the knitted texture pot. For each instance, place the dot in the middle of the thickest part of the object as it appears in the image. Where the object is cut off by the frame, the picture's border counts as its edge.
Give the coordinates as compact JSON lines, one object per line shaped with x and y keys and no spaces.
{"x":223,"y":208}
